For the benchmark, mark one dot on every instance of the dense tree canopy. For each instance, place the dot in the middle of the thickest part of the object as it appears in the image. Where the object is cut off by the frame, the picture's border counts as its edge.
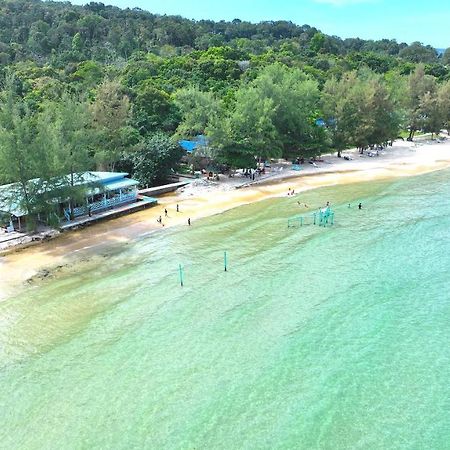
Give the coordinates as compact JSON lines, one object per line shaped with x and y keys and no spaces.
{"x":98,"y":87}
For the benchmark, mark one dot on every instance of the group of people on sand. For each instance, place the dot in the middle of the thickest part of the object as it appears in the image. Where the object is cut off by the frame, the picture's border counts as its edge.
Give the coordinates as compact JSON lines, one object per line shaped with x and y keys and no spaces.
{"x":166,"y":215}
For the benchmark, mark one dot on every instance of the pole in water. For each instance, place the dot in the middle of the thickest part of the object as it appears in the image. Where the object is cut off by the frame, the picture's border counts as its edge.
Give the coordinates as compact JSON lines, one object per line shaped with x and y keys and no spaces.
{"x":225,"y":260}
{"x":180,"y":268}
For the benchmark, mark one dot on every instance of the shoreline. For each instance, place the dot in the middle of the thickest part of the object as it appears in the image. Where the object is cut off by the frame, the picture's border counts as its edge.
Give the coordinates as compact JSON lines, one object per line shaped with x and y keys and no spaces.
{"x":20,"y":265}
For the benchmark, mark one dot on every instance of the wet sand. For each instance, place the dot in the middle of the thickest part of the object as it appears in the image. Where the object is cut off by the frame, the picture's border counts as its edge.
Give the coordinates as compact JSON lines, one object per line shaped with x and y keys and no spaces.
{"x":84,"y":244}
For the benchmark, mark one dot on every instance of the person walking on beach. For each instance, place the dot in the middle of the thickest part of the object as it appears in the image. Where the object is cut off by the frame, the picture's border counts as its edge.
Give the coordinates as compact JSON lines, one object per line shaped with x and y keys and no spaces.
{"x":159,"y":220}
{"x":165,"y":212}
{"x":178,"y":208}
{"x":189,"y":221}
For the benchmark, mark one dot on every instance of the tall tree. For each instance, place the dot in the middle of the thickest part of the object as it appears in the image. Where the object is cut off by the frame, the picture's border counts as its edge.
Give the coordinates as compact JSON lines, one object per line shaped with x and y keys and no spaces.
{"x":334,"y":104}
{"x":111,"y":113}
{"x":65,"y":125}
{"x":296,"y":99}
{"x":432,"y":117}
{"x":247,"y":131}
{"x":419,"y":85}
{"x":20,"y":159}
{"x":197,"y":109}
{"x":382,"y":108}
{"x":155,"y":158}
{"x":446,"y":57}
{"x":419,"y":53}
{"x":444,"y":104}
{"x":348,"y":114}
{"x":154,"y":109}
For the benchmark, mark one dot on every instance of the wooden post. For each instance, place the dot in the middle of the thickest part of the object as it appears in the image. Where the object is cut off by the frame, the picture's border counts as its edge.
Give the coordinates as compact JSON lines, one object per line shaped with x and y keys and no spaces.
{"x":180,"y":268}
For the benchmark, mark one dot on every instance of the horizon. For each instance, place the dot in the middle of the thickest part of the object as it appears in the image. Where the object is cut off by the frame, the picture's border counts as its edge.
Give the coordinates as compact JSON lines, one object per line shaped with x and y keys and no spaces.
{"x":371,"y":19}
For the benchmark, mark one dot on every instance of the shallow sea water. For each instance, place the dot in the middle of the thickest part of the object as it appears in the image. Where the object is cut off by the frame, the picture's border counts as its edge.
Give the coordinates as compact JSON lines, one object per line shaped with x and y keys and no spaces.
{"x":315,"y":338}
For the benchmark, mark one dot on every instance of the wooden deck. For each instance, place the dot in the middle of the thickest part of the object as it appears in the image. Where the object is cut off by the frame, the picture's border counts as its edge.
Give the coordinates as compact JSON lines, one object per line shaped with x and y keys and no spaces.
{"x":6,"y":237}
{"x":164,"y":189}
{"x":143,"y":202}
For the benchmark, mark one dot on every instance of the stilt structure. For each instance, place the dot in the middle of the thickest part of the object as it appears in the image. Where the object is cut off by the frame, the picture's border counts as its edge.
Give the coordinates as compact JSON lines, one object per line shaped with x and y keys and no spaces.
{"x":324,"y":217}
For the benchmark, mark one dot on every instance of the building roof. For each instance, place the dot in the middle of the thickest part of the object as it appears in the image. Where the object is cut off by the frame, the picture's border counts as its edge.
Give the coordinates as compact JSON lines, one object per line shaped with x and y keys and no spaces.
{"x":10,"y":201}
{"x":100,"y":177}
{"x":120,"y":184}
{"x":11,"y":198}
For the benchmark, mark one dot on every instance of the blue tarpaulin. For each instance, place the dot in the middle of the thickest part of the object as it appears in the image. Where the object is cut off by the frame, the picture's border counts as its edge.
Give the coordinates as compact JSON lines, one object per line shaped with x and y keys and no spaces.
{"x":190,"y":146}
{"x":320,"y":123}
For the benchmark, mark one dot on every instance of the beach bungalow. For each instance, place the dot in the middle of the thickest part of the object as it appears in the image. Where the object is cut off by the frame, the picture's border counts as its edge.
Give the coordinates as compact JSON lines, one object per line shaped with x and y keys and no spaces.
{"x":101,"y":191}
{"x":104,"y":190}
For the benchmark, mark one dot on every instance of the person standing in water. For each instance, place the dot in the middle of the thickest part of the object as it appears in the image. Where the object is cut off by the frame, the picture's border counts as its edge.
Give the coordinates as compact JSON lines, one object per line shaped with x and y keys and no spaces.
{"x":189,"y":221}
{"x":360,"y":206}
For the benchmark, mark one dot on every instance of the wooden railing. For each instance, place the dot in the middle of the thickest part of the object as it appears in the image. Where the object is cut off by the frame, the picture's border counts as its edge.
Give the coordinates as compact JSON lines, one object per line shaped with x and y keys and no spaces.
{"x":100,"y":205}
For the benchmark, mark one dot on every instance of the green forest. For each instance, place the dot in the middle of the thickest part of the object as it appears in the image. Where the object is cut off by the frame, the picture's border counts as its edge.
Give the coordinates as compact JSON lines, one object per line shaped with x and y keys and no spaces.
{"x":97,"y":87}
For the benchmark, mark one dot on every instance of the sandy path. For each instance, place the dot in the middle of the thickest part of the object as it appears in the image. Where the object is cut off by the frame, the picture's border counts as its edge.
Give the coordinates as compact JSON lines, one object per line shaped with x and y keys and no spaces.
{"x":403,"y":160}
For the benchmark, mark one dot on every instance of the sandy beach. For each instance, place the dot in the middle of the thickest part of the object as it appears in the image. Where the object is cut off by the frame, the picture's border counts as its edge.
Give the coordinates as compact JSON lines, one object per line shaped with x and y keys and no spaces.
{"x":403,"y":159}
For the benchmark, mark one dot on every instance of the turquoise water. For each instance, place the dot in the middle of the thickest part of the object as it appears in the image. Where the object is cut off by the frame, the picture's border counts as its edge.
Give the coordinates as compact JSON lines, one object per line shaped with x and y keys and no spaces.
{"x":315,"y":338}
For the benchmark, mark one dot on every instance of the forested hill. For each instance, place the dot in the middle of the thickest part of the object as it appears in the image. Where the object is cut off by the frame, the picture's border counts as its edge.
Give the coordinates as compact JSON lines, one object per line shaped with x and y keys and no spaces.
{"x":61,"y":33}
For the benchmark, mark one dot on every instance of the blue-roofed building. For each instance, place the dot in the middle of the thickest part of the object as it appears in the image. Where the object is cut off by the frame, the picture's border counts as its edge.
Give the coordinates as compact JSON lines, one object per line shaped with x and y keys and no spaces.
{"x":102,"y":190}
